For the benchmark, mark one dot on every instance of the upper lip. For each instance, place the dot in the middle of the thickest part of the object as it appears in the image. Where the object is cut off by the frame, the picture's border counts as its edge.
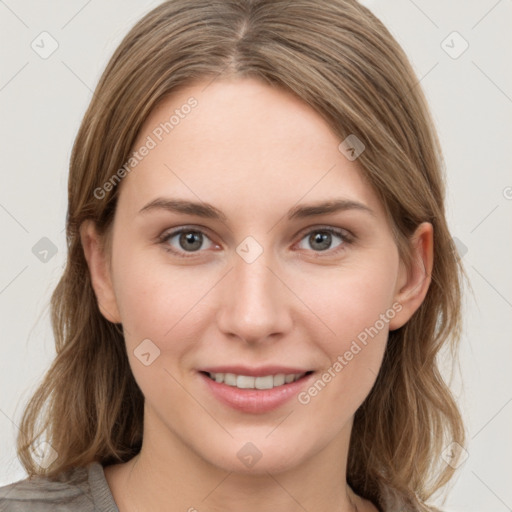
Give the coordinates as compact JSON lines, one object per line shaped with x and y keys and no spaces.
{"x":254,"y":372}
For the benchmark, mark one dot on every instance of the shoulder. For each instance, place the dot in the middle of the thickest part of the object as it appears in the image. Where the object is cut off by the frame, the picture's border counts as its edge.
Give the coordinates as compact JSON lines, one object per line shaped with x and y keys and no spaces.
{"x":79,"y":490}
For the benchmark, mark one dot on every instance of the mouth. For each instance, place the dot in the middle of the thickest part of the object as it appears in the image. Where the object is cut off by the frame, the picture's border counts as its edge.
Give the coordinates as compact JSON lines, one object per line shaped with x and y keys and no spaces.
{"x":262,"y":382}
{"x":255,"y":394}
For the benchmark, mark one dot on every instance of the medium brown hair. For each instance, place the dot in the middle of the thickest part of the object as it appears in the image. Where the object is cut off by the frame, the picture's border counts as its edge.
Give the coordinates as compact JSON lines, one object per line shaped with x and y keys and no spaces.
{"x":340,"y":59}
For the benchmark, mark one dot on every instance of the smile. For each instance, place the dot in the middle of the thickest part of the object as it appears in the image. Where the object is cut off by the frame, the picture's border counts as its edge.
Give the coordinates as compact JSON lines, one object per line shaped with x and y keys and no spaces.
{"x":255,"y":394}
{"x":249,"y":382}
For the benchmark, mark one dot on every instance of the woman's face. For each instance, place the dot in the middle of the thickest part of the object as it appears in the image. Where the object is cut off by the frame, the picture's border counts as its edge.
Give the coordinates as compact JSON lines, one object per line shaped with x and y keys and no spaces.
{"x":265,"y":280}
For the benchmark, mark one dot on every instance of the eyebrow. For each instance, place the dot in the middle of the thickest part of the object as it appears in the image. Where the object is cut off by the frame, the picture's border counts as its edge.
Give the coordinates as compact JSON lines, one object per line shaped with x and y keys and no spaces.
{"x":209,"y":211}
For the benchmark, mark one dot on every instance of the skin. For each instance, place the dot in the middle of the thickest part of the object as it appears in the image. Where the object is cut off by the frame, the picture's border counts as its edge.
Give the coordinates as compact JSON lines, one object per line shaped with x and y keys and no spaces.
{"x":253,"y":152}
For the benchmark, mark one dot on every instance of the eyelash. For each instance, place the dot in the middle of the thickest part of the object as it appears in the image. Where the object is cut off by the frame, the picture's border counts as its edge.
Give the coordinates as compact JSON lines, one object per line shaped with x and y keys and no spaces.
{"x":346,"y":237}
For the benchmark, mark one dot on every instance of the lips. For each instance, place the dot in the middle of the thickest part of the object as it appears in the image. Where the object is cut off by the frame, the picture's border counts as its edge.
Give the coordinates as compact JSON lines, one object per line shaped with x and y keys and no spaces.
{"x":255,"y":372}
{"x":242,"y":393}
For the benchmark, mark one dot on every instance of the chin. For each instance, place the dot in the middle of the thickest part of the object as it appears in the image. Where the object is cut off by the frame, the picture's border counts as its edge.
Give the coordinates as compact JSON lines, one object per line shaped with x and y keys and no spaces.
{"x":258,"y":455}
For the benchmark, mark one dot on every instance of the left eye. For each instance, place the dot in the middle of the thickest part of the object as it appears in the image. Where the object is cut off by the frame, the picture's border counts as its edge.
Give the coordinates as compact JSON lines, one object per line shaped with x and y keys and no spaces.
{"x":192,"y":240}
{"x":321,"y":239}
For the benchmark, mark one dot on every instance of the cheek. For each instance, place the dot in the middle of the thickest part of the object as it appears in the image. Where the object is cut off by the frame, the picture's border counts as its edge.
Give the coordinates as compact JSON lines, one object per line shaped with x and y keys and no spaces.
{"x":152,"y":297}
{"x":155,"y":300}
{"x":162,"y":304}
{"x":352,"y":300}
{"x":357,"y":307}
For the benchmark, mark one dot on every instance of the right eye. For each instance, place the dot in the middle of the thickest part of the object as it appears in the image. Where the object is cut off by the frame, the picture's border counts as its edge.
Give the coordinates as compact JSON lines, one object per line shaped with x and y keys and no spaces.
{"x":183,"y":240}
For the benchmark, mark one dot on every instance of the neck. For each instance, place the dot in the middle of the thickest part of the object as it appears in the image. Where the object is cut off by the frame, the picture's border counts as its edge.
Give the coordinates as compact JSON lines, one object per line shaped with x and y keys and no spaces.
{"x":169,"y":476}
{"x":148,"y":489}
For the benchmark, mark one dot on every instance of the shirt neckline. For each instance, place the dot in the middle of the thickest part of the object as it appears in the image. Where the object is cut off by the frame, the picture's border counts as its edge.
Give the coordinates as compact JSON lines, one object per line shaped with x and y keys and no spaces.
{"x":100,"y":490}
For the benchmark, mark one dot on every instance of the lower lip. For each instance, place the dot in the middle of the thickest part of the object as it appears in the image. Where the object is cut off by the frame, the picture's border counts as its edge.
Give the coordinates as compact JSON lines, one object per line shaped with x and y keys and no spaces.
{"x":255,"y":400}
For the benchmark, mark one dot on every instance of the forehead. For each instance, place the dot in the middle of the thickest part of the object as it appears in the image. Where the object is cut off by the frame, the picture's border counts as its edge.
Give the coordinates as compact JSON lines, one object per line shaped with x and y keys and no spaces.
{"x":241,"y":140}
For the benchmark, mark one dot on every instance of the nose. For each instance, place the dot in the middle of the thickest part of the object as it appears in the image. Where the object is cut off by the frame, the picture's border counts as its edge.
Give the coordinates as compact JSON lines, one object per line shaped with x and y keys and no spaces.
{"x":255,"y":303}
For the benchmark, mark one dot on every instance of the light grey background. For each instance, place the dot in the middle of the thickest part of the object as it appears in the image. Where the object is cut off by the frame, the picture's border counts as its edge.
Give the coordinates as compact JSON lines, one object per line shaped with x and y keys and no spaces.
{"x":42,"y":101}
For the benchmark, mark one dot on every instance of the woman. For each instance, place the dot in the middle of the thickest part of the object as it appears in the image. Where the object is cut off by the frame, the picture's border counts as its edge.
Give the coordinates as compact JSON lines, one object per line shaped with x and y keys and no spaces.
{"x":210,"y":355}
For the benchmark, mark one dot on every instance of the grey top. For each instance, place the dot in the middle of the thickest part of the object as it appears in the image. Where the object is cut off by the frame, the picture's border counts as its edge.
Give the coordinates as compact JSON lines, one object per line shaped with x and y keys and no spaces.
{"x":81,"y":489}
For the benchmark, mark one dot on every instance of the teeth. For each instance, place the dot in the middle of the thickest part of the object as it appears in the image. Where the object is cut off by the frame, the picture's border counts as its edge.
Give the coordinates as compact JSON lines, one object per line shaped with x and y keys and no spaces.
{"x":244,"y":382}
{"x":279,"y":379}
{"x":229,"y":379}
{"x":247,"y":382}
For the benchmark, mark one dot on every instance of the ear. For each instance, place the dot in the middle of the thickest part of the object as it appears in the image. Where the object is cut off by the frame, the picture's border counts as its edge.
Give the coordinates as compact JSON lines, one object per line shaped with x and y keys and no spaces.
{"x":413,"y":282}
{"x":99,"y":269}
